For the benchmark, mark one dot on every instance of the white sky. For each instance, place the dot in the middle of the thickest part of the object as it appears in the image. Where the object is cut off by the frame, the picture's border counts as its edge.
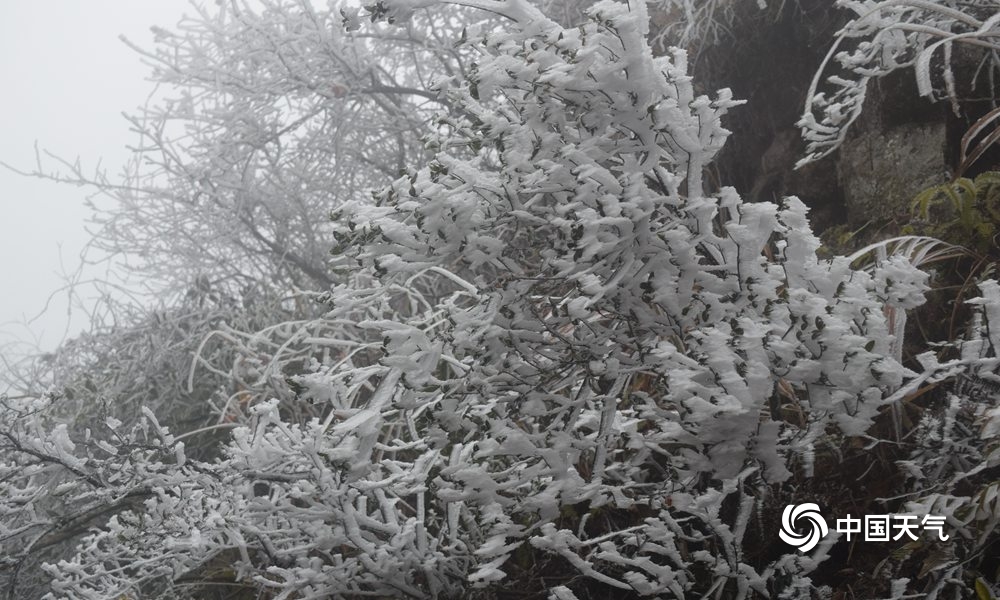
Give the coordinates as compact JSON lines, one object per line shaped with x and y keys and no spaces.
{"x":66,"y":78}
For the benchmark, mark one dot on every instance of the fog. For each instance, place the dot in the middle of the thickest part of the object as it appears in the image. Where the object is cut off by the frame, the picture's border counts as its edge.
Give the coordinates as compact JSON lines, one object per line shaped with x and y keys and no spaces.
{"x":67,"y":79}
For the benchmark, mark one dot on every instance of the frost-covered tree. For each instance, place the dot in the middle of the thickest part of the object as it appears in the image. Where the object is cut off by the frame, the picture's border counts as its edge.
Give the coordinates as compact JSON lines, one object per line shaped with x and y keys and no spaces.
{"x":267,"y":116}
{"x":554,"y":357}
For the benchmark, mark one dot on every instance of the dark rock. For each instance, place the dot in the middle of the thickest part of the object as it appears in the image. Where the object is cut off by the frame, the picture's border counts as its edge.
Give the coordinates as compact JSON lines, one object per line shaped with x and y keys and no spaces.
{"x":881,"y":171}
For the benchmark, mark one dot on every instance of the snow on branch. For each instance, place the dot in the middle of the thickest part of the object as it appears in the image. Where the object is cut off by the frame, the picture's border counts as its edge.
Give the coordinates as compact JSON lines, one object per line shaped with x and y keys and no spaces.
{"x":885,"y":36}
{"x":555,"y":346}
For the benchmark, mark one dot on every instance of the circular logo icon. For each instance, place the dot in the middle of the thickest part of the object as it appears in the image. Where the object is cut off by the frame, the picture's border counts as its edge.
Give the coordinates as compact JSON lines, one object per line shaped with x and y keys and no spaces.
{"x":808,"y":512}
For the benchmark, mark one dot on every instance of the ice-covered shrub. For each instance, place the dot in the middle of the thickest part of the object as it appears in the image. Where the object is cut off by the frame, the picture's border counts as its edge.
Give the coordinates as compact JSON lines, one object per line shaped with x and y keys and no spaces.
{"x":560,"y":353}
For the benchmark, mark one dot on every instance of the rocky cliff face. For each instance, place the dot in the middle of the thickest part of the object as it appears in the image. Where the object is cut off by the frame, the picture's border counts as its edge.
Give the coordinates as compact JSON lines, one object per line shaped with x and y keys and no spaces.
{"x":901,"y":145}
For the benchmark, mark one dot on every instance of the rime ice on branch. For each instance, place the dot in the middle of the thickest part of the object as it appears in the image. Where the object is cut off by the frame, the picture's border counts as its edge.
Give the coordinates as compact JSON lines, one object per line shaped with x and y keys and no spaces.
{"x":559,"y":344}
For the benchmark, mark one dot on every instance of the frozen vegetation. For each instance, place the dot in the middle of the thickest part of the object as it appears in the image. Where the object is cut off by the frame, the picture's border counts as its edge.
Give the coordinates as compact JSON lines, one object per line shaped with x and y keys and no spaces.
{"x":465,"y":315}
